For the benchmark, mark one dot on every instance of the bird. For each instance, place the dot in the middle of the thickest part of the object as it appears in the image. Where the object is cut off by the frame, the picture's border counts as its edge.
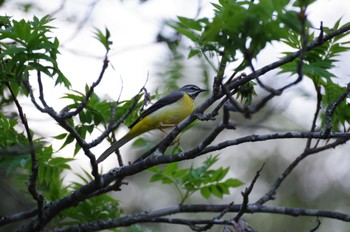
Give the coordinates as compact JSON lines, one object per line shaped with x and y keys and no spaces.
{"x":165,"y":113}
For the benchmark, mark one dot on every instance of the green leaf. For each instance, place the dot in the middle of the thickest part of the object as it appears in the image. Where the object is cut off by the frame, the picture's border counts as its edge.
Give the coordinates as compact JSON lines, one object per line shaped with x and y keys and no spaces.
{"x":194,"y":179}
{"x":205,"y":192}
{"x":154,"y":169}
{"x":69,"y":140}
{"x":219,"y":174}
{"x":61,"y":79}
{"x":189,"y":187}
{"x":190,"y":23}
{"x":77,"y":148}
{"x":216,"y":191}
{"x":167,"y":180}
{"x":171,"y":168}
{"x":233,"y":183}
{"x":186,"y":32}
{"x":104,"y":38}
{"x":223,"y":188}
{"x":60,"y":161}
{"x":156,"y":177}
{"x":180,"y":173}
{"x":193,"y":52}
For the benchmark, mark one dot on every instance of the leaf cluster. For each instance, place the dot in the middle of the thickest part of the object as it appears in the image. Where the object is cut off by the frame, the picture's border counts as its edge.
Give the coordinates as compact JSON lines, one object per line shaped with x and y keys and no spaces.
{"x":239,"y":31}
{"x":27,"y":46}
{"x":317,"y":65}
{"x":101,"y":207}
{"x":104,"y":38}
{"x":204,"y":179}
{"x":12,"y":142}
{"x":232,"y":29}
{"x":16,"y":160}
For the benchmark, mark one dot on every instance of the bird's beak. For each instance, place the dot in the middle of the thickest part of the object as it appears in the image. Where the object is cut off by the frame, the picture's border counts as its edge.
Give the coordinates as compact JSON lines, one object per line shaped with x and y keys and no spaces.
{"x":204,"y":90}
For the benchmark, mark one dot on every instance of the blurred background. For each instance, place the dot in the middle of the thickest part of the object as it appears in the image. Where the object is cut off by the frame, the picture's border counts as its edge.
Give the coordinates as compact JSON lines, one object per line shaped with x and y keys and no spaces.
{"x":145,"y":52}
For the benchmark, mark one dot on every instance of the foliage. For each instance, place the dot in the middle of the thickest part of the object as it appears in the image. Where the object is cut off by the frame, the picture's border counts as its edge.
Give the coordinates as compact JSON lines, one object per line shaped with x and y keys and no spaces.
{"x":104,"y":38}
{"x":27,"y":46}
{"x":11,"y":138}
{"x":232,"y":30}
{"x":188,"y":181}
{"x":317,"y":65}
{"x":50,"y":180}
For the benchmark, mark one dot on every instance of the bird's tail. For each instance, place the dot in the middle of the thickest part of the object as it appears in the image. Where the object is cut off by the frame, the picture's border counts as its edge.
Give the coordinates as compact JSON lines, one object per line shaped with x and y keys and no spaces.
{"x":126,"y":138}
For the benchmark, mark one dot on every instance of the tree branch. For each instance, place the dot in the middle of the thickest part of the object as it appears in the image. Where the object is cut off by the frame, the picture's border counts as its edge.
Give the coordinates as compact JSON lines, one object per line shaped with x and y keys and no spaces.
{"x":158,"y":216}
{"x":271,"y":193}
{"x":245,"y":195}
{"x":4,"y":220}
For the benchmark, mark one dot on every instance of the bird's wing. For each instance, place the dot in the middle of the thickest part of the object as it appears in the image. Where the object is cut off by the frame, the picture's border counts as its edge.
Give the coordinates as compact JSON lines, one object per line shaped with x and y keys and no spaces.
{"x":168,"y":99}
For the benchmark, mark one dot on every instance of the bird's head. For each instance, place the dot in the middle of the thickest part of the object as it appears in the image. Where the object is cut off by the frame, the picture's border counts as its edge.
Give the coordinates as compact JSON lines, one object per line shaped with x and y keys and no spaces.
{"x":192,"y":90}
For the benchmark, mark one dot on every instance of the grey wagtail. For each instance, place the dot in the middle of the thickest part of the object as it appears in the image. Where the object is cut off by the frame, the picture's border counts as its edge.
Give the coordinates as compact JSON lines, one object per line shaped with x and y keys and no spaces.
{"x":166,"y":112}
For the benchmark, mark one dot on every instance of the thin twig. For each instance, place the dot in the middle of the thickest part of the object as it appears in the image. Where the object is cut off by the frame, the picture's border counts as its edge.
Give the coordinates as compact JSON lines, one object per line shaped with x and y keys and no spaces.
{"x":4,"y":220}
{"x":216,"y":218}
{"x":245,"y":195}
{"x":82,"y":23}
{"x":111,"y":121}
{"x":236,"y":105}
{"x":32,"y":97}
{"x":331,"y":109}
{"x":35,"y":167}
{"x":248,"y":58}
{"x":112,"y":127}
{"x":41,"y":91}
{"x":271,"y":193}
{"x":220,"y":73}
{"x":317,"y":226}
{"x":316,"y":114}
{"x":59,"y":8}
{"x":82,"y":105}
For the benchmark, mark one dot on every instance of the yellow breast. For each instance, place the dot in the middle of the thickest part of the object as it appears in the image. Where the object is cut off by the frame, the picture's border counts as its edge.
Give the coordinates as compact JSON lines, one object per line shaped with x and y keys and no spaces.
{"x":165,"y":117}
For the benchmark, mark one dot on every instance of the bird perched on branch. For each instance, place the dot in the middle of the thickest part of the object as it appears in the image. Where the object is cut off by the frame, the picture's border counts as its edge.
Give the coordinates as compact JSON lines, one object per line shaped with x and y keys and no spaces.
{"x":166,"y":112}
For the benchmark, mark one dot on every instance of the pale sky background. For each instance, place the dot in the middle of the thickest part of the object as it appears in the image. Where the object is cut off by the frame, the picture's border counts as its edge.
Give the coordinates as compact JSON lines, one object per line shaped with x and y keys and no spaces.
{"x":133,"y":57}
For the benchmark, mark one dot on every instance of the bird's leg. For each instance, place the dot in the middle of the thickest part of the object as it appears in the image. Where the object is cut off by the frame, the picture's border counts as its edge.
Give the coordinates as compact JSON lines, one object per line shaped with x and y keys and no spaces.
{"x":164,"y":125}
{"x":161,"y":129}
